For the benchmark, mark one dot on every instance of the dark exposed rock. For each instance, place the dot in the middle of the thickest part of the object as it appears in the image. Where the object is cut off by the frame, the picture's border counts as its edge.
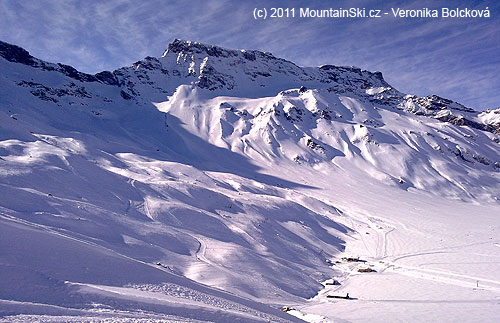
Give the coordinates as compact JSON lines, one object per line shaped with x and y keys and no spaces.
{"x":335,"y":71}
{"x":314,"y":145}
{"x":264,"y":74}
{"x":353,"y":259}
{"x":373,"y":123}
{"x":74,"y":74}
{"x":435,"y":102}
{"x":107,"y":77}
{"x":446,"y":111}
{"x":328,"y":67}
{"x":125,"y":95}
{"x":149,"y":63}
{"x":16,"y":54}
{"x":481,"y":159}
{"x":42,"y":95}
{"x":46,"y":93}
{"x":379,"y":75}
{"x":211,"y":79}
{"x":322,"y":114}
{"x":459,"y":153}
{"x":249,"y":55}
{"x":352,"y":79}
{"x":462,"y":121}
{"x":179,"y":46}
{"x":366,"y":270}
{"x":294,"y":114}
{"x":225,"y":105}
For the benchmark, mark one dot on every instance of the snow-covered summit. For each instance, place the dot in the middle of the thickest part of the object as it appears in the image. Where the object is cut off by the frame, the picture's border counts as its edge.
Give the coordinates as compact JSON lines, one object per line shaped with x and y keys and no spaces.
{"x":490,"y":117}
{"x":161,"y":183}
{"x":252,"y":73}
{"x":178,"y":46}
{"x":248,"y":72}
{"x":281,"y":110}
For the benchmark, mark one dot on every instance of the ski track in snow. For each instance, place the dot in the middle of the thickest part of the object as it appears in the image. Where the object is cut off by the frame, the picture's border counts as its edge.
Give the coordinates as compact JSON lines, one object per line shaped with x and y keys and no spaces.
{"x":380,"y":256}
{"x":437,"y":275}
{"x":220,"y":185}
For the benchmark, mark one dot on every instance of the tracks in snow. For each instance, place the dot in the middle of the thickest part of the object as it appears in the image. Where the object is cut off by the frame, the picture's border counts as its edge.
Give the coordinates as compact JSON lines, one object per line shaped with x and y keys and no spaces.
{"x":379,"y":239}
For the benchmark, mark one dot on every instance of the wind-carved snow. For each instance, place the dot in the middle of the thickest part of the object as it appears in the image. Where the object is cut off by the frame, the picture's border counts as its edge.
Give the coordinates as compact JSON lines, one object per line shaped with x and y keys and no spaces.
{"x":219,"y":185}
{"x":490,"y":116}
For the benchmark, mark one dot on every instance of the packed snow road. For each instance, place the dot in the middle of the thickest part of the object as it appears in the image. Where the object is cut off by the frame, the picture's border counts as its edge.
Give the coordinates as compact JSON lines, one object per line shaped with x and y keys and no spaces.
{"x":442,"y":262}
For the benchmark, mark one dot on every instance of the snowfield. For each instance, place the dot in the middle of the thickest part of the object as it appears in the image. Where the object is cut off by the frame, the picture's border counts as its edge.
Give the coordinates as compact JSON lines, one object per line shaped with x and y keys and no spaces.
{"x":215,"y":185}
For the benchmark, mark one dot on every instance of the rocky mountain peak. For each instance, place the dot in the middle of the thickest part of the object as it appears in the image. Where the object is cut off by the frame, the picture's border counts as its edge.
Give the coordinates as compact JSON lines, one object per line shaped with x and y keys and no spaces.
{"x":179,"y":46}
{"x":191,"y":47}
{"x":250,"y":73}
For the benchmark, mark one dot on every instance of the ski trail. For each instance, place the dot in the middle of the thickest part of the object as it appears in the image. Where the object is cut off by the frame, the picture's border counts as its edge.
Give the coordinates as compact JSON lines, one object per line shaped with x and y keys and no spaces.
{"x":385,"y":241}
{"x":173,"y":295}
{"x":445,"y":276}
{"x":378,"y":255}
{"x":201,"y":255}
{"x":52,"y":231}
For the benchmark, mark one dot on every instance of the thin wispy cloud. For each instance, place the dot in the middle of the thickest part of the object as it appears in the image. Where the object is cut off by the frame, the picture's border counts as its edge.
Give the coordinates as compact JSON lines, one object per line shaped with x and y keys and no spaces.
{"x":454,"y":58}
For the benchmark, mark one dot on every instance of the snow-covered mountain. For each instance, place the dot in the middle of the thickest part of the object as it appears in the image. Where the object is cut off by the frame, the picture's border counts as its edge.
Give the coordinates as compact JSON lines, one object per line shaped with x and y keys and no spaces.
{"x":208,"y":182}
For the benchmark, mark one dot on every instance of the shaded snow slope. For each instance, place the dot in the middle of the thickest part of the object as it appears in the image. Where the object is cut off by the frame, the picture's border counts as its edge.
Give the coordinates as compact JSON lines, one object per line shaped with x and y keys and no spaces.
{"x":208,"y":182}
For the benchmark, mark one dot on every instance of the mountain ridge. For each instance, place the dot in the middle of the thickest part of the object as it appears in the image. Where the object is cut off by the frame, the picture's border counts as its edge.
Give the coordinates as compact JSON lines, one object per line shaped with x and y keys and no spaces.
{"x":194,"y":72}
{"x":148,"y":192}
{"x":208,"y":77}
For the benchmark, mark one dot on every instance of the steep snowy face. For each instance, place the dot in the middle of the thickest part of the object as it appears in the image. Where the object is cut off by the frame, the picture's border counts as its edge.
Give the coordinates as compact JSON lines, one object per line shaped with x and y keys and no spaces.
{"x":113,"y":172}
{"x":449,"y":111}
{"x":491,"y":117}
{"x":320,"y":129}
{"x":253,"y":74}
{"x":307,"y":115}
{"x":233,"y":168}
{"x":269,"y":109}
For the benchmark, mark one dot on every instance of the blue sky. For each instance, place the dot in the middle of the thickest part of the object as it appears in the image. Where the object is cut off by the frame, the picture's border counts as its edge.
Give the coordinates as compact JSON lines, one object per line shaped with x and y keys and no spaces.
{"x":455,"y":58}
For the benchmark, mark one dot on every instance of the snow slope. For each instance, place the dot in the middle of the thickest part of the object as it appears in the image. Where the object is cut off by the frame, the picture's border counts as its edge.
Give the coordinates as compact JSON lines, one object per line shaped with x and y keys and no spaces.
{"x":218,"y":185}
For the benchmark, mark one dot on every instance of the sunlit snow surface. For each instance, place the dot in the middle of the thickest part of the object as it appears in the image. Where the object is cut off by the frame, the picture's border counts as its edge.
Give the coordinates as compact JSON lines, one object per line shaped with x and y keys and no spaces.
{"x":188,"y":204}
